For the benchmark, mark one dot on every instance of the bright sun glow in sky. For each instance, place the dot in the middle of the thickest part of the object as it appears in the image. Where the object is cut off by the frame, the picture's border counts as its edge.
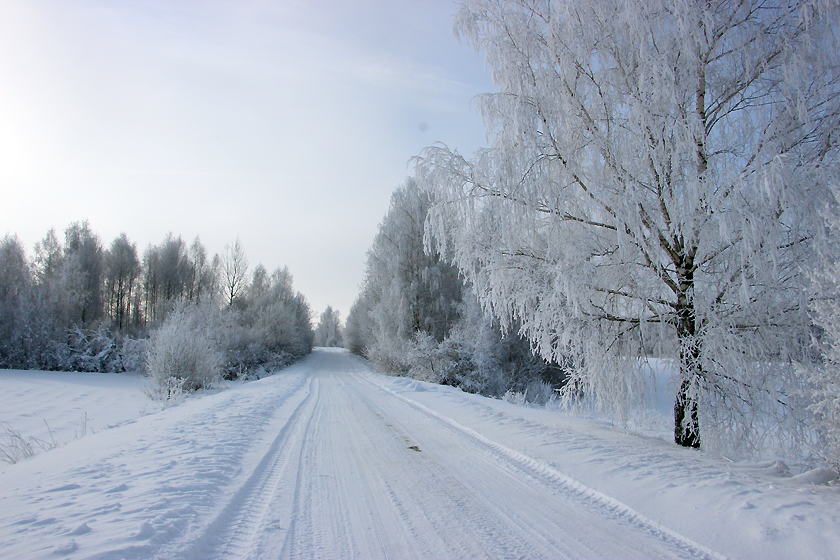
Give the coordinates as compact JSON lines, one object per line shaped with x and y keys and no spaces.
{"x":287,"y":123}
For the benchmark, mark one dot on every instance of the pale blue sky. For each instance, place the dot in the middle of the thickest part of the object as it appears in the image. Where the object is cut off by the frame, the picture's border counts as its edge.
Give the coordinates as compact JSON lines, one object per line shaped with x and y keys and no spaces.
{"x":287,"y":123}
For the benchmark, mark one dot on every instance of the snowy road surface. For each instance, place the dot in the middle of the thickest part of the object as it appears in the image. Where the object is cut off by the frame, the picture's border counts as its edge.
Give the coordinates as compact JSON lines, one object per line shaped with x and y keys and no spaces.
{"x":327,"y":460}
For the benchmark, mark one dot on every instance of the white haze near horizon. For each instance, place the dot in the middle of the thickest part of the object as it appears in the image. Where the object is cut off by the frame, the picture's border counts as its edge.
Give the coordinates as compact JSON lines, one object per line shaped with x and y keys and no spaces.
{"x":286,"y":123}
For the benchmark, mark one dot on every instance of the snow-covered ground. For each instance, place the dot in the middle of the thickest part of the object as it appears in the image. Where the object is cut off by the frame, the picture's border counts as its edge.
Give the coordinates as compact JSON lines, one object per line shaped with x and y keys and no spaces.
{"x":63,"y":406}
{"x":326,"y":459}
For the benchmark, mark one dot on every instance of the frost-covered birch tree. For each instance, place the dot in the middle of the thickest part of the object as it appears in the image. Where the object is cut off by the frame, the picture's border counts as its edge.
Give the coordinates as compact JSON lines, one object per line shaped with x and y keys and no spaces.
{"x":234,"y":272}
{"x":651,"y":182}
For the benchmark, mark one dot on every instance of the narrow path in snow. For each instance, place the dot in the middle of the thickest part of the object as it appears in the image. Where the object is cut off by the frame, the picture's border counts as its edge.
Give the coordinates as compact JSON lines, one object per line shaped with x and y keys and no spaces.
{"x":359,"y":472}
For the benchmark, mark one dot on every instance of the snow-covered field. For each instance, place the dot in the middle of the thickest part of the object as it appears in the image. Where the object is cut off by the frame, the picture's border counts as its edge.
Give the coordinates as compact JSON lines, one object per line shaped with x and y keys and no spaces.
{"x":63,"y":406}
{"x":326,"y":459}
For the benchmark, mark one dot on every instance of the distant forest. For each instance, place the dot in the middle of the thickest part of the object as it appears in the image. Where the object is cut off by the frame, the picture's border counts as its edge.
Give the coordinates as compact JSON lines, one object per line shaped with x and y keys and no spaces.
{"x":76,"y":304}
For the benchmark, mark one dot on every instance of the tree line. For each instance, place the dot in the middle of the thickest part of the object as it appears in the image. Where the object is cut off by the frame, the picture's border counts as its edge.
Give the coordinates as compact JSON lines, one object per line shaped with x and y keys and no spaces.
{"x":79,"y":305}
{"x":660,"y":181}
{"x":417,"y":316}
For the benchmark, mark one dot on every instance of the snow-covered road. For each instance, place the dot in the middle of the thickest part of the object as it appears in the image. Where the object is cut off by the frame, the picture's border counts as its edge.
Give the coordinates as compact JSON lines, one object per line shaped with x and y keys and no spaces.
{"x":327,"y":460}
{"x":357,"y":471}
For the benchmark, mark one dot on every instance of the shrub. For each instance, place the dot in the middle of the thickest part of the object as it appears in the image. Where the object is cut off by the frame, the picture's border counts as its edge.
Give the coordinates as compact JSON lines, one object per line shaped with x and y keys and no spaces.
{"x":183,"y":352}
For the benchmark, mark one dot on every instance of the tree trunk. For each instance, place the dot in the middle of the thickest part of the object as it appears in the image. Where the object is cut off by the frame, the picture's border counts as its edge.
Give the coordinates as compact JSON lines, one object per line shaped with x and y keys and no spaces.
{"x":686,"y":423}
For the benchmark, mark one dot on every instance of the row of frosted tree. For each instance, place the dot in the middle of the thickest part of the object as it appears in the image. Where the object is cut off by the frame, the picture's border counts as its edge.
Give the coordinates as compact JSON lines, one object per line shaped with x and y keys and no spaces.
{"x":661,"y":181}
{"x":416,"y":316}
{"x":79,"y":305}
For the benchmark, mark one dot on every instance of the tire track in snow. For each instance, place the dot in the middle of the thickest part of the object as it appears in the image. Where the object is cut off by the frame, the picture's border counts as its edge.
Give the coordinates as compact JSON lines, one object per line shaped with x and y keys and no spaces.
{"x":231,"y":533}
{"x":300,"y":497}
{"x":361,"y":492}
{"x":424,"y":505}
{"x":343,"y":505}
{"x":480,"y":527}
{"x":568,"y":485}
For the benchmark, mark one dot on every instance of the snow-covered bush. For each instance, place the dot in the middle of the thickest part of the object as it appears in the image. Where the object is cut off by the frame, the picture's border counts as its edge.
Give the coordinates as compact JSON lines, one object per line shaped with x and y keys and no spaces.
{"x":536,"y":392}
{"x":514,"y":397}
{"x":185,"y":351}
{"x":427,"y":360}
{"x":460,"y":360}
{"x":166,"y":392}
{"x":133,"y":353}
{"x":539,"y":392}
{"x":392,"y":355}
{"x":99,"y":350}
